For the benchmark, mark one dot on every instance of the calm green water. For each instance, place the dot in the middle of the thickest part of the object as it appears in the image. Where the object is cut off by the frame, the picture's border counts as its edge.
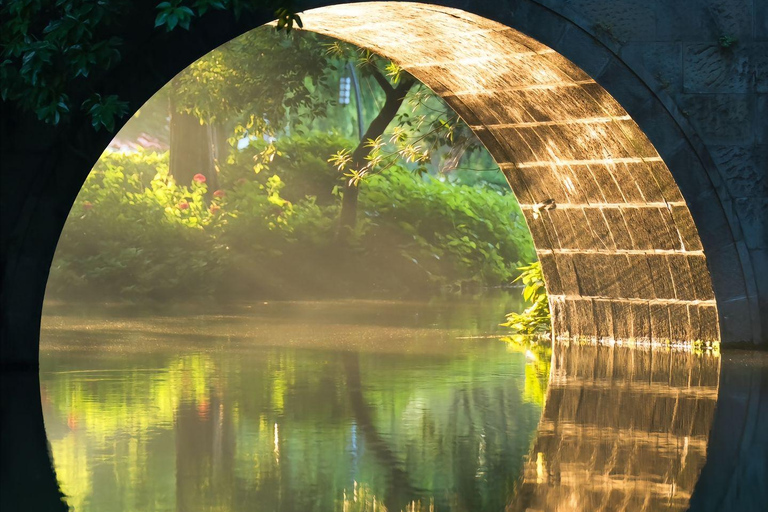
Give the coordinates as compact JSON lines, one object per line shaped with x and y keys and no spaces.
{"x":314,"y":406}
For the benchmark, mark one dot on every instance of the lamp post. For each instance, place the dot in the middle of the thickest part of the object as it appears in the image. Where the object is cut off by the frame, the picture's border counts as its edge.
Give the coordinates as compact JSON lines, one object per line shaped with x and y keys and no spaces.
{"x":344,"y":92}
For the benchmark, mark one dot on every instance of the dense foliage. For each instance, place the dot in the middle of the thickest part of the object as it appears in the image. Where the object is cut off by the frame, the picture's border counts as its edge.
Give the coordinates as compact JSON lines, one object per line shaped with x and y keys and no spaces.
{"x":536,"y":318}
{"x":53,"y":51}
{"x":268,"y":232}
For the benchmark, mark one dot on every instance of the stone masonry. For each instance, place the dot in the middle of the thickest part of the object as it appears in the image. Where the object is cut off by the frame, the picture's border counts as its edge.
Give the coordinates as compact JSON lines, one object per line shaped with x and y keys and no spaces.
{"x":645,"y":124}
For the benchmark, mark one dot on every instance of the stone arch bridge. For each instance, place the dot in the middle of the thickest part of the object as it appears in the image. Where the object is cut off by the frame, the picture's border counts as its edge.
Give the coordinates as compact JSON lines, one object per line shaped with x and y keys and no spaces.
{"x":636,"y":119}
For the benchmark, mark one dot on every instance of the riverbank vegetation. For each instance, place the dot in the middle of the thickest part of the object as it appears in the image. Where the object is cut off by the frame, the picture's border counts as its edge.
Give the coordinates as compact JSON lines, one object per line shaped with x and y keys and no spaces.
{"x":134,"y":232}
{"x":260,"y":181}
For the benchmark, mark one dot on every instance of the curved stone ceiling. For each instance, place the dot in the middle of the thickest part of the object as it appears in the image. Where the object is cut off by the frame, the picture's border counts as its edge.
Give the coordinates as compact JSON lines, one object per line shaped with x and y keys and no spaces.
{"x":620,"y":253}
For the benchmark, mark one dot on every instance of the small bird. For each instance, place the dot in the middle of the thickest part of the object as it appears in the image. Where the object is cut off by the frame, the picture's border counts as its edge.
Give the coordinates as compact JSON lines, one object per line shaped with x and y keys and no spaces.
{"x":547,"y":204}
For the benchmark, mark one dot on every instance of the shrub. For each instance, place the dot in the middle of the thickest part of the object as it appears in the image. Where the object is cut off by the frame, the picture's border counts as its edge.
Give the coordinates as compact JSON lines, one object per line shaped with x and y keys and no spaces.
{"x":132,"y":235}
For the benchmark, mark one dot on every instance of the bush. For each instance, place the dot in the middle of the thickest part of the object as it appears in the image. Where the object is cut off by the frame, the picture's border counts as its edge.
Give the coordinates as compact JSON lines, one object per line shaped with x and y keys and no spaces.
{"x":453,"y":232}
{"x":134,"y":233}
{"x":536,"y":318}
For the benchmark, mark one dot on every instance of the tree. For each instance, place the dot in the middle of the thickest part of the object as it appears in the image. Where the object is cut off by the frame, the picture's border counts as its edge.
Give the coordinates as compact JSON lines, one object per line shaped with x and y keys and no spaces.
{"x":254,"y":85}
{"x":50,"y":50}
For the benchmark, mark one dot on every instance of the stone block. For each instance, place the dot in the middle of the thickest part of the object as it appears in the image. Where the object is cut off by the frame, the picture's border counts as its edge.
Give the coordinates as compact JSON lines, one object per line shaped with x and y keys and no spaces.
{"x":639,"y":281}
{"x":618,"y":227}
{"x":761,"y":115}
{"x":686,"y":229}
{"x":660,"y":326}
{"x":642,"y":229}
{"x":645,"y":180}
{"x":761,"y":21}
{"x":710,"y":327}
{"x":661,"y":61}
{"x":606,"y":277}
{"x":619,"y":20}
{"x":744,"y":169}
{"x":518,"y":184}
{"x":585,"y":274}
{"x":622,"y":320}
{"x":623,"y":175}
{"x":641,"y":322}
{"x":586,"y":240}
{"x":702,"y":283}
{"x":585,"y":315}
{"x":753,"y":214}
{"x":541,"y":235}
{"x":567,"y":274}
{"x":759,"y":65}
{"x":608,"y":186}
{"x":582,"y":48}
{"x":551,"y":275}
{"x":704,"y":20}
{"x":542,"y":183}
{"x":599,"y":228}
{"x":587,"y":183}
{"x":681,"y":277}
{"x":604,"y":319}
{"x":669,"y":188}
{"x":720,"y":118}
{"x":693,"y":329}
{"x":661,"y":276}
{"x":559,"y":314}
{"x":709,"y":68}
{"x":678,"y":322}
{"x":566,"y":235}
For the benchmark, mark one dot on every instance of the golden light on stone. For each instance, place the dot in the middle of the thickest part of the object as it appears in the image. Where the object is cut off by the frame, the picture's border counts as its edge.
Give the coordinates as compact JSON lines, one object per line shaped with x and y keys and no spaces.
{"x":620,"y":253}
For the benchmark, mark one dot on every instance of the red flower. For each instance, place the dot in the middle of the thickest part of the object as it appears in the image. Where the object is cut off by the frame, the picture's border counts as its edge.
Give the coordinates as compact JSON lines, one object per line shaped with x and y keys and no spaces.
{"x":214,"y":208}
{"x":198,"y":178}
{"x":218,"y":193}
{"x":183,"y":205}
{"x":87,"y":205}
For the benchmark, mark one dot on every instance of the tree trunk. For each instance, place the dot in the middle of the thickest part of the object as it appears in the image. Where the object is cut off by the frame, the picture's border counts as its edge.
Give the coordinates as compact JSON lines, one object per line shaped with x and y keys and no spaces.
{"x":395,"y":97}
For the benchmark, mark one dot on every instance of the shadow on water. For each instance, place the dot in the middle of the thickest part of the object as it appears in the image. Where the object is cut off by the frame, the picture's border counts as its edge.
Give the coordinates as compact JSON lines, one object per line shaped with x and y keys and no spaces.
{"x":622,"y":429}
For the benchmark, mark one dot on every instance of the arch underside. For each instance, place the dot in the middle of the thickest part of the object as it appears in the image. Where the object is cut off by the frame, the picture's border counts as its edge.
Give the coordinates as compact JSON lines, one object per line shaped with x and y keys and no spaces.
{"x":620,"y":252}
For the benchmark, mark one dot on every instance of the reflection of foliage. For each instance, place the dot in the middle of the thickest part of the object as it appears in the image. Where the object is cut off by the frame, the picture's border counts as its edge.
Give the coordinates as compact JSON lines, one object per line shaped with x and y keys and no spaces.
{"x":535,"y":319}
{"x":538,"y":353}
{"x":281,"y":419}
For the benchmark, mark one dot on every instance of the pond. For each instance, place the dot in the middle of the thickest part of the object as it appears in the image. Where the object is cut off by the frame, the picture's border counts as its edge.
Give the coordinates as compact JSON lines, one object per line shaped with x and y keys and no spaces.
{"x":289,"y":406}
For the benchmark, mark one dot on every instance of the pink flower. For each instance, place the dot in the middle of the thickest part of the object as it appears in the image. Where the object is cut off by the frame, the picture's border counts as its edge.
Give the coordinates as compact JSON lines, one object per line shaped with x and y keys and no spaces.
{"x":183,"y":205}
{"x":214,"y":208}
{"x":198,"y":178}
{"x":87,"y":205}
{"x":218,"y":193}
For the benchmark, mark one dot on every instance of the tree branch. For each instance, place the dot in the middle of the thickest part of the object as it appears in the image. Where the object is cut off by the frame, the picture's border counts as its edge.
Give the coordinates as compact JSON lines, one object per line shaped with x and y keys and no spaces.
{"x":382,"y":81}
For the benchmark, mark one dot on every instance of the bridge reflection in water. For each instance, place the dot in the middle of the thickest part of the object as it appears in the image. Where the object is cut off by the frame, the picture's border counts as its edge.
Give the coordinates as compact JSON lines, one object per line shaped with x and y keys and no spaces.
{"x":622,"y":429}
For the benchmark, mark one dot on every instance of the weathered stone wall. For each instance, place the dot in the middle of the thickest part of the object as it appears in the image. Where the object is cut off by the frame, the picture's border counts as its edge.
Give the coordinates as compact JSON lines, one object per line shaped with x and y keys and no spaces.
{"x":706,"y":62}
{"x":620,"y":252}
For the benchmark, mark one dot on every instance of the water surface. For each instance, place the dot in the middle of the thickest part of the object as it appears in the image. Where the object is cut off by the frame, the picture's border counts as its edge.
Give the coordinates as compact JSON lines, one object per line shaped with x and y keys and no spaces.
{"x":292,"y":406}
